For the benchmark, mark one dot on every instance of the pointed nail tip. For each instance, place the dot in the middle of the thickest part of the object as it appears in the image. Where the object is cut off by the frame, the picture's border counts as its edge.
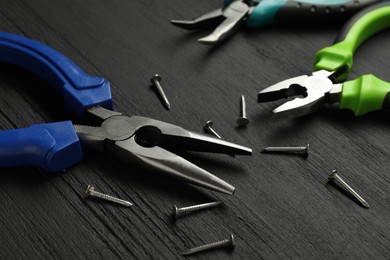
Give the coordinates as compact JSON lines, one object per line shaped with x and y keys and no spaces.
{"x":365,"y":204}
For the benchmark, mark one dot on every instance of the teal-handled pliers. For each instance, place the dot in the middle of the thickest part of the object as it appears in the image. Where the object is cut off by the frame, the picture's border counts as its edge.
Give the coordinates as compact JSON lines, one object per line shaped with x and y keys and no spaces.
{"x":258,"y":13}
{"x":332,"y":66}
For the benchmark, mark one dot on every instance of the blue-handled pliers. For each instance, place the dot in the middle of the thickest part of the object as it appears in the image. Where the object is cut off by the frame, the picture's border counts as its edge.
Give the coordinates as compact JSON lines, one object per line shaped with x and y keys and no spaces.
{"x":258,"y":13}
{"x":140,"y":140}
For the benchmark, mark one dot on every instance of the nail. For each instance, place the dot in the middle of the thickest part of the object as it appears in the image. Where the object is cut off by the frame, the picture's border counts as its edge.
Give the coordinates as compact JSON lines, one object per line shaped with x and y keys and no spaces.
{"x":207,"y":128}
{"x":156,"y":81}
{"x":243,"y":120}
{"x":178,"y":212}
{"x":304,"y":150}
{"x":227,"y":243}
{"x":335,"y":177}
{"x":90,"y":192}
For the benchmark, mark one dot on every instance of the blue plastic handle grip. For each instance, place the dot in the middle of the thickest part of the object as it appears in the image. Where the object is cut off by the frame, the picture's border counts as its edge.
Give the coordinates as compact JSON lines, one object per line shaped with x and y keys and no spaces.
{"x":52,"y":147}
{"x":265,"y":11}
{"x":79,"y":90}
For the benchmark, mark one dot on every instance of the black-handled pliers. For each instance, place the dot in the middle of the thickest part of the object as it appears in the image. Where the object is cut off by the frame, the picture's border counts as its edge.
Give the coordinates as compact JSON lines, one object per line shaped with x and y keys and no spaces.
{"x":259,"y":13}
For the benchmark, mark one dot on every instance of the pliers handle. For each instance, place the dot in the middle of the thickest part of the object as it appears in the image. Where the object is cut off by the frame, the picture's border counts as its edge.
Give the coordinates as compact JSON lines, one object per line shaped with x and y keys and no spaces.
{"x":325,"y":11}
{"x":53,"y":146}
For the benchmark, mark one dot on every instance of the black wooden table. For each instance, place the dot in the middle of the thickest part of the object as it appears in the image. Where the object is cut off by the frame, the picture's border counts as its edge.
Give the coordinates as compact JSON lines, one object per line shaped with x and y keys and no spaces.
{"x":283,"y":206}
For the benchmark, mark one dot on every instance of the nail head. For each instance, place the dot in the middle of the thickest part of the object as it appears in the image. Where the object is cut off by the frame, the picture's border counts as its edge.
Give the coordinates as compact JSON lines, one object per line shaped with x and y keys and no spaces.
{"x":154,"y":78}
{"x":332,"y":175}
{"x":90,"y":188}
{"x":207,"y":125}
{"x":242,"y":121}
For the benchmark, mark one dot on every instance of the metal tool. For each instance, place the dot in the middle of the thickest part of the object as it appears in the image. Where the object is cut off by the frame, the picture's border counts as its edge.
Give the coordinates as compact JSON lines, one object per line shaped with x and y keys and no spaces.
{"x":304,"y":150}
{"x":336,"y":178}
{"x":259,"y":13}
{"x":178,"y":212}
{"x":332,"y":65}
{"x":90,"y":192}
{"x":243,"y":120}
{"x":208,"y":129}
{"x":139,"y":140}
{"x":227,"y":243}
{"x":155,"y":80}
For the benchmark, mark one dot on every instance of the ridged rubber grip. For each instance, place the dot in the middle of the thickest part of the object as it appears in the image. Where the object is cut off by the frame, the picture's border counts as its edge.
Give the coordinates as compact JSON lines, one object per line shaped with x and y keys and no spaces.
{"x":365,"y":94}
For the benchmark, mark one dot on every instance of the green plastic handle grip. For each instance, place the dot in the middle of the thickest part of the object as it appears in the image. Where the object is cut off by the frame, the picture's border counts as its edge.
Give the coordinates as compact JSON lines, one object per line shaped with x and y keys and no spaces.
{"x":365,"y":94}
{"x":359,"y":28}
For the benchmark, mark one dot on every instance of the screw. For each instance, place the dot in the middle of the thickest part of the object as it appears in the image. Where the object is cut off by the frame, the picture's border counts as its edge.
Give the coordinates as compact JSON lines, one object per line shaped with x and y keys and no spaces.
{"x":304,"y":150}
{"x":90,"y":192}
{"x":335,"y":177}
{"x":243,"y":120}
{"x":156,"y":81}
{"x":207,"y":128}
{"x":227,"y":243}
{"x":178,"y":212}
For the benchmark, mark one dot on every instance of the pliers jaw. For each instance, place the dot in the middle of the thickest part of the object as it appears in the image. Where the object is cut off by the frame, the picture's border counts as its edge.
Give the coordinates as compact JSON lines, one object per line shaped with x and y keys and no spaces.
{"x":227,"y":20}
{"x":307,"y":93}
{"x":147,"y":142}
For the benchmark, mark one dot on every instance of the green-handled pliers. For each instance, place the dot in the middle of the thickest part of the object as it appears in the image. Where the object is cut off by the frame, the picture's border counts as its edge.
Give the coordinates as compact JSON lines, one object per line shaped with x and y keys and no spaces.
{"x":332,"y":66}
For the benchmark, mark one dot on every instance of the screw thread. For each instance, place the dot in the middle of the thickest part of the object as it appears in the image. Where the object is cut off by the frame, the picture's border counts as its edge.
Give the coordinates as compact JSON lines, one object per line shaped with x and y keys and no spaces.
{"x":186,"y":210}
{"x":218,"y":244}
{"x":110,"y":198}
{"x":286,"y":149}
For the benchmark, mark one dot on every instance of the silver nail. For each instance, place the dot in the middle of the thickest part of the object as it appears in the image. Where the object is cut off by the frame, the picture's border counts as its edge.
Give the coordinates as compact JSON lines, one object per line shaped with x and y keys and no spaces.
{"x":243,"y":120}
{"x":227,"y":243}
{"x":90,"y":192}
{"x":304,"y":150}
{"x":335,"y":177}
{"x":207,"y":128}
{"x":156,"y":81}
{"x":178,"y":212}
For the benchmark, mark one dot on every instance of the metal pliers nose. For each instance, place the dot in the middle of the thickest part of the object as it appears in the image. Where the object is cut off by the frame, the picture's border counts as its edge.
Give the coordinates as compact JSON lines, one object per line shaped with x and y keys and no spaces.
{"x":227,"y":20}
{"x":148,"y":143}
{"x":307,"y":93}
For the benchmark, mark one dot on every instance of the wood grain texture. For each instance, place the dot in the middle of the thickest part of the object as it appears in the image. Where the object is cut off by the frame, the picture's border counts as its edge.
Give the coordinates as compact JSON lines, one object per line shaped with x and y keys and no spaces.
{"x":283,"y":207}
